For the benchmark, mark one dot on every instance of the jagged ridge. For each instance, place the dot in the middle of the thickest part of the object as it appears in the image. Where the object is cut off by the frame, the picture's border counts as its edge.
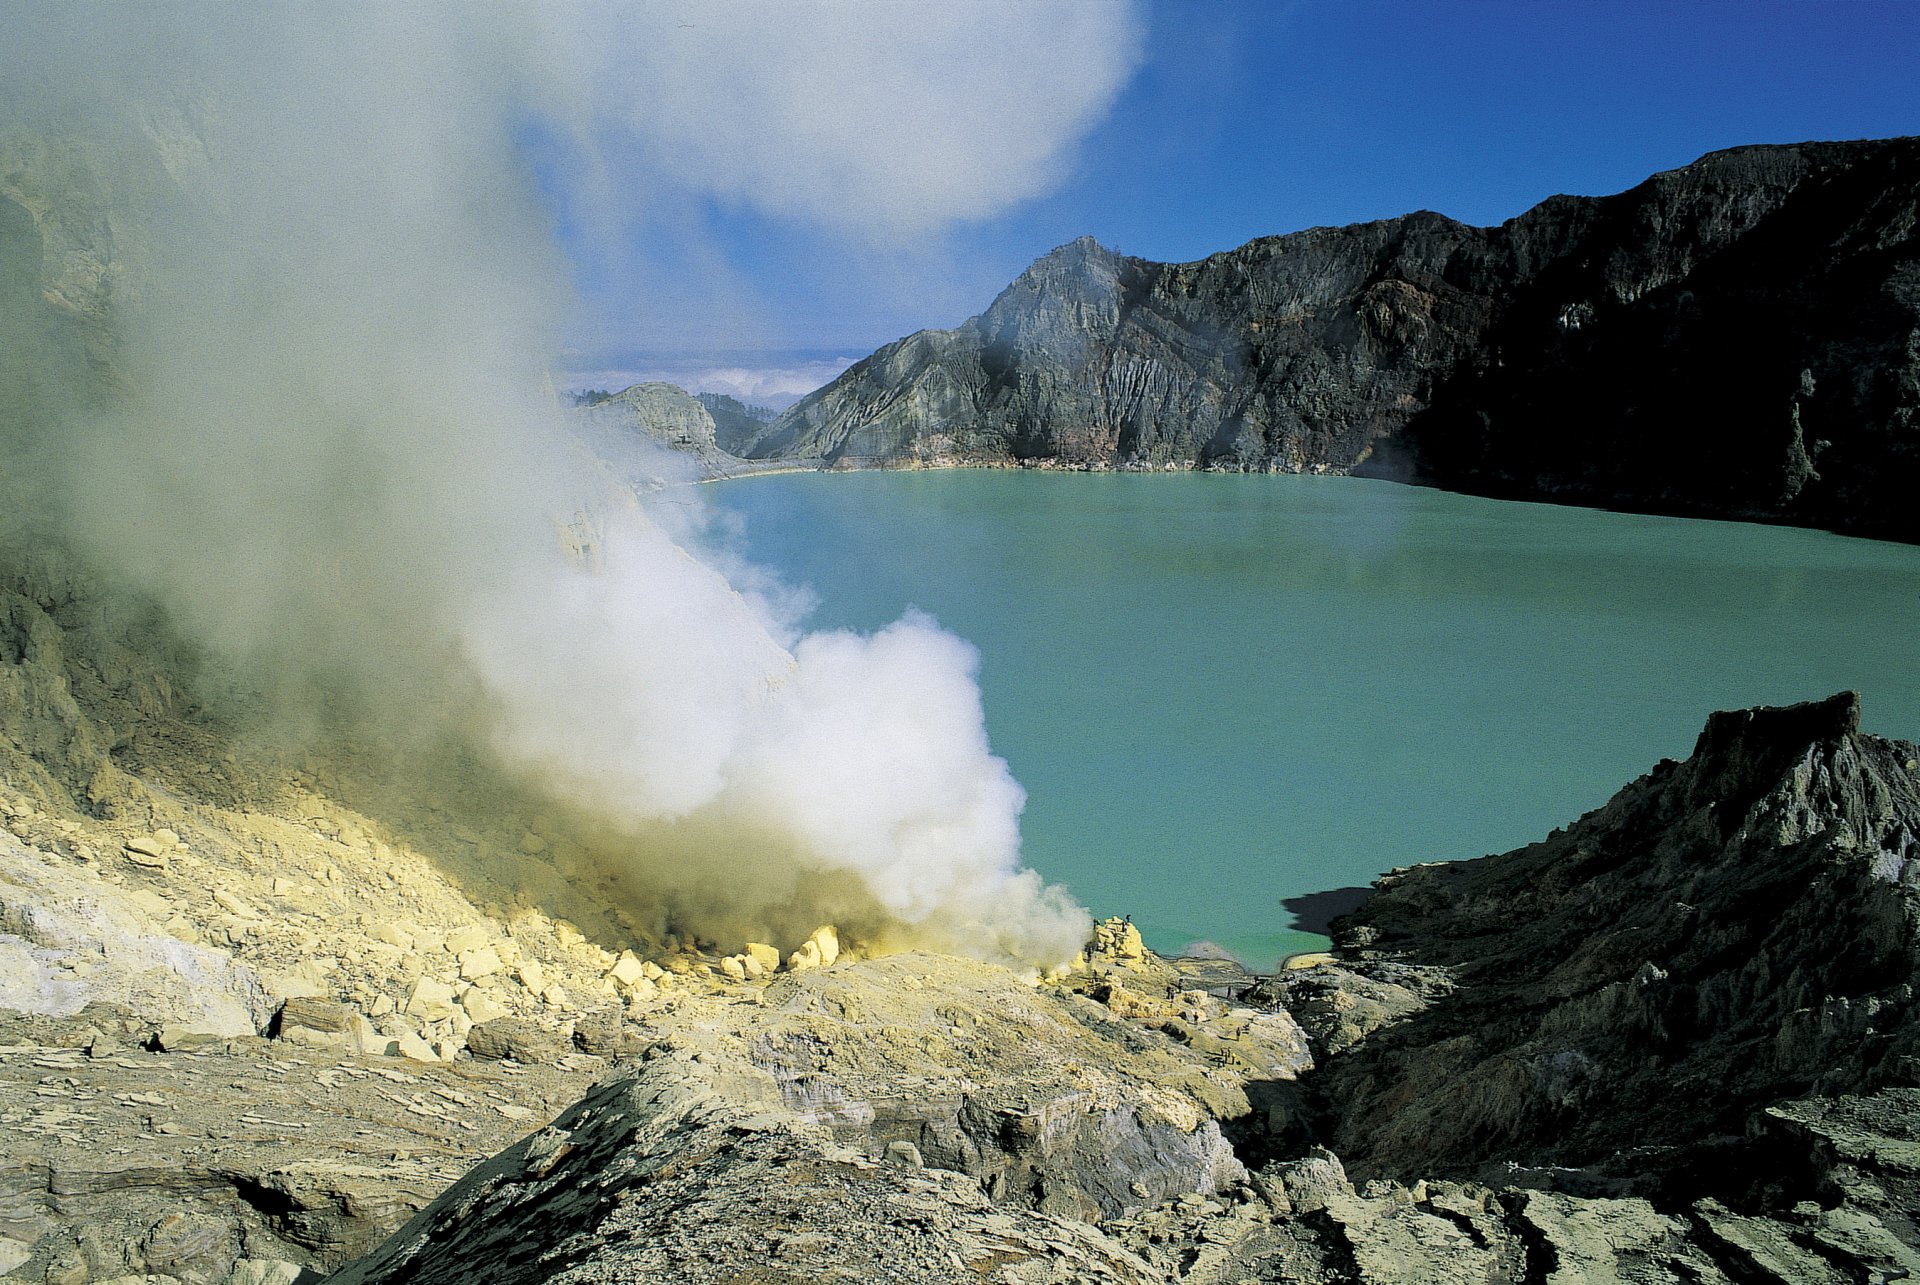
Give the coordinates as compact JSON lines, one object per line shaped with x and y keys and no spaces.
{"x":1739,"y":338}
{"x":1629,"y":994}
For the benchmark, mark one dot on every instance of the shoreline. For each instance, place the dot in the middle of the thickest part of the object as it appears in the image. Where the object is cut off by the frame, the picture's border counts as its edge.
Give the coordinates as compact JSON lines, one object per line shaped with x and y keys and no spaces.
{"x":1674,"y":513}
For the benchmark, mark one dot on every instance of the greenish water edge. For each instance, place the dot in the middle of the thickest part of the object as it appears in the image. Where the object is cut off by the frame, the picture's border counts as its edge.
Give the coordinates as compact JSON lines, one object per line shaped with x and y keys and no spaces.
{"x":1225,"y":691}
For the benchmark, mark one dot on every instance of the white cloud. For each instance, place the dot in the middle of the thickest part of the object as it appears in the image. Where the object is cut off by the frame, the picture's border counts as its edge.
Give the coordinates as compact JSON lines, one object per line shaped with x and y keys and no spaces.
{"x":890,"y":118}
{"x":777,"y":385}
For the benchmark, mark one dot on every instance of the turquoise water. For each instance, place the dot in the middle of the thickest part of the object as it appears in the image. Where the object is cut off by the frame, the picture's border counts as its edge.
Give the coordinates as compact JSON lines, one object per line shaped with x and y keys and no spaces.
{"x":1224,"y":691}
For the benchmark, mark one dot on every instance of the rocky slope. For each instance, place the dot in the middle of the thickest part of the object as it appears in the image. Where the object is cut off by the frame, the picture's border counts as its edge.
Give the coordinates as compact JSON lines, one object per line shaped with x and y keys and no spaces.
{"x":262,"y":1006}
{"x":264,"y":1013}
{"x":734,"y":422}
{"x":1736,"y":338}
{"x":1671,"y":1043}
{"x":1629,"y":994}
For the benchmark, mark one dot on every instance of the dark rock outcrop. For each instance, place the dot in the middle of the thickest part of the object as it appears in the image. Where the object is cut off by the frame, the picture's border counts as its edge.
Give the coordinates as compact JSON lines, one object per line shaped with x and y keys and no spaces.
{"x":1629,"y":996}
{"x":1737,"y":338}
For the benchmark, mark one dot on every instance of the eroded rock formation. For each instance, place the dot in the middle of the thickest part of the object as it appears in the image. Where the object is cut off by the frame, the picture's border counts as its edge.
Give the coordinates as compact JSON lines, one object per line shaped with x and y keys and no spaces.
{"x":625,"y":429}
{"x":1736,"y":338}
{"x":1725,"y":934}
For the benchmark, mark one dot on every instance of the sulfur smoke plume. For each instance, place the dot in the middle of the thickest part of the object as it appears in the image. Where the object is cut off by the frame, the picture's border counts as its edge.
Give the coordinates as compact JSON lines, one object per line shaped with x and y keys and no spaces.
{"x":308,"y":265}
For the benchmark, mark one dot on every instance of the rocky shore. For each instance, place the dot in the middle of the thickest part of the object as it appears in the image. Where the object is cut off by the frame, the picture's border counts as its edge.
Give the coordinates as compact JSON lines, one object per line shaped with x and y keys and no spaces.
{"x":1670,"y":1043}
{"x":268,"y":1019}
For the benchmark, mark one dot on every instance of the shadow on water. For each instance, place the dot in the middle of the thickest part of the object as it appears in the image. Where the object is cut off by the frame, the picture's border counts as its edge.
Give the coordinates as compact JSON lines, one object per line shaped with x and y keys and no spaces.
{"x":1314,"y":912}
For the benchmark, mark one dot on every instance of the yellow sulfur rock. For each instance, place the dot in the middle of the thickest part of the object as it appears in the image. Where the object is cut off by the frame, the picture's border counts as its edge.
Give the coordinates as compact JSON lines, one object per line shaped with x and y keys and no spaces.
{"x":627,"y":969}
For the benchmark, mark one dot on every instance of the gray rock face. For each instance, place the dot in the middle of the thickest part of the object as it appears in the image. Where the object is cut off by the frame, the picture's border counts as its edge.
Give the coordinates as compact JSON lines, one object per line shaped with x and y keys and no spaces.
{"x":241,"y":1161}
{"x":1288,"y":354}
{"x":627,"y":430}
{"x":1734,"y":338}
{"x":1008,"y":1088}
{"x":682,"y":1171}
{"x":1726,"y":934}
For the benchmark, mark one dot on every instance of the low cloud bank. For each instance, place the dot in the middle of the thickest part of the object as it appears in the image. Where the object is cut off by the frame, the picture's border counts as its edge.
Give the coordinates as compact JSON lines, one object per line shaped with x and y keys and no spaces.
{"x":769,"y":382}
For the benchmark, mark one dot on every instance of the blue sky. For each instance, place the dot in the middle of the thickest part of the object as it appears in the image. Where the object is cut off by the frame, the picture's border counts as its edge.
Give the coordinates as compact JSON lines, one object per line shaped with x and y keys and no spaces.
{"x":1246,"y":118}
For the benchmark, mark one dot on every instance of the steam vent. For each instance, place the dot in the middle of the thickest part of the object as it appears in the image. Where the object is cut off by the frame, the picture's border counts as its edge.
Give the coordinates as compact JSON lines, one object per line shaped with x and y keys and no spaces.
{"x":439,"y":845}
{"x":1672,"y":1041}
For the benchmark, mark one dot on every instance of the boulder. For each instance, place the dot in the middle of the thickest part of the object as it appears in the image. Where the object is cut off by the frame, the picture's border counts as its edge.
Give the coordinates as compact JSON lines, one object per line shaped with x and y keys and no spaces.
{"x":607,"y":1033}
{"x":628,"y":969}
{"x":146,"y":854}
{"x":471,"y":937}
{"x":481,"y":1006}
{"x":314,"y":1022}
{"x":430,"y":1000}
{"x":518,"y":1039}
{"x":415,"y":1049}
{"x":392,"y":935}
{"x":180,"y":1038}
{"x":152,"y":849}
{"x":482,"y":961}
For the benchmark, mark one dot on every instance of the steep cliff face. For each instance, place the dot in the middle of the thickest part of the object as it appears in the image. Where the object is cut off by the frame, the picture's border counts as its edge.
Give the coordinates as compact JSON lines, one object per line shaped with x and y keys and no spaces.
{"x":1288,"y":353}
{"x":734,"y":422}
{"x":621,"y":428}
{"x":1740,"y":337}
{"x":622,"y":431}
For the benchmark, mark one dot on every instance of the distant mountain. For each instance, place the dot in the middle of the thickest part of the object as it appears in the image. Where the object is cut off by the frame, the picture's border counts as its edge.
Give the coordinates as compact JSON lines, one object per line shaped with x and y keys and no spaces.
{"x":1736,"y":338}
{"x":620,"y":429}
{"x":734,"y":421}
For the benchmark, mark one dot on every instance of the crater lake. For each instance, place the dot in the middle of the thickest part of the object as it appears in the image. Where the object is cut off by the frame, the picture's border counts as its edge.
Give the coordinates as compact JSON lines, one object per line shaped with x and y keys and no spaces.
{"x":1222,"y":691}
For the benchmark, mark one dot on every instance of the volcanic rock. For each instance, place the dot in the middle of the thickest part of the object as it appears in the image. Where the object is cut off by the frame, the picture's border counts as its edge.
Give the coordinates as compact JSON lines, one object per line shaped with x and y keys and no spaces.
{"x":431,"y":1000}
{"x":617,"y":429}
{"x":1735,"y":338}
{"x":518,"y":1039}
{"x":1493,"y":1055}
{"x":1629,"y":996}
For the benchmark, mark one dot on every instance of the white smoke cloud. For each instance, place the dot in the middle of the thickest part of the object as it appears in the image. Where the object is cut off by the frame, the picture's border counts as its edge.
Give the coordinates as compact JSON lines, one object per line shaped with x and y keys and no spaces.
{"x":891,"y":118}
{"x":328,"y":459}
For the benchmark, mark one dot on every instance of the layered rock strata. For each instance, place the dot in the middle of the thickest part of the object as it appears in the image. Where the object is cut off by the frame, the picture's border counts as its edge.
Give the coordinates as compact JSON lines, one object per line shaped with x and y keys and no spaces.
{"x":1736,"y":338}
{"x":1627,"y":996}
